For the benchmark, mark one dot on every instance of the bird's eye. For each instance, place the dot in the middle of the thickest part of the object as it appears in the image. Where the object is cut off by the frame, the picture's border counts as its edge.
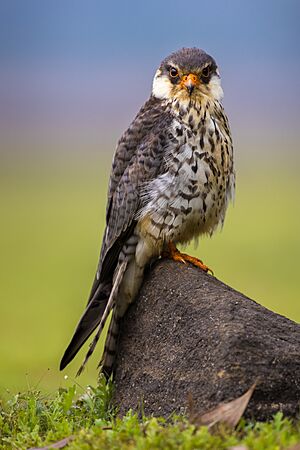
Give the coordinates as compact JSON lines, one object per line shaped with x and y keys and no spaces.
{"x":206,"y":72}
{"x":173,"y":72}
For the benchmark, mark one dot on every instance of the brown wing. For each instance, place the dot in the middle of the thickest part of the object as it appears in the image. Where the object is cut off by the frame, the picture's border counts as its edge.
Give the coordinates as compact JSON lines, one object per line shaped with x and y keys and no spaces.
{"x":138,"y":158}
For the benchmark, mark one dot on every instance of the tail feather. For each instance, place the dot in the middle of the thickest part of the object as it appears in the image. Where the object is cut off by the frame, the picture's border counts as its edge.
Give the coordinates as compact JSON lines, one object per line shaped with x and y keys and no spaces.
{"x":109,"y":306}
{"x":132,"y":280}
{"x":88,"y":323}
{"x":107,"y":361}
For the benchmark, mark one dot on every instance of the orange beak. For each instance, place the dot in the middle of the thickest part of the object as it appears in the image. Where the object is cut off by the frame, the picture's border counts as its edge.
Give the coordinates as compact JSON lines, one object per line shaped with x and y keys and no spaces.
{"x":189,"y":82}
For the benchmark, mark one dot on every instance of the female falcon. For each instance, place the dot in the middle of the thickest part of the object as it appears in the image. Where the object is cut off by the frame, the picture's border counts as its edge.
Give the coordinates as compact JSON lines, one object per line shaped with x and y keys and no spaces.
{"x":172,"y":178}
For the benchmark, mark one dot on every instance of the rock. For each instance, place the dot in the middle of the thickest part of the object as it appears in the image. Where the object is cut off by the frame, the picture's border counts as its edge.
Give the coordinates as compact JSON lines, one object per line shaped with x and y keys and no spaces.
{"x":190,"y":334}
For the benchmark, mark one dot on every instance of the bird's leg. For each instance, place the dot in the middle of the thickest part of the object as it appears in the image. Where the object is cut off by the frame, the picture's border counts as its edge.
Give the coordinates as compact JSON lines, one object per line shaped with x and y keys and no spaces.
{"x":173,"y":253}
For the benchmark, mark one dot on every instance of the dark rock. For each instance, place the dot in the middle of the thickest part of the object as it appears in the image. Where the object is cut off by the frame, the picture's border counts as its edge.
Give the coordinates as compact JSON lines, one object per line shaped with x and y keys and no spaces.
{"x":188,"y":333}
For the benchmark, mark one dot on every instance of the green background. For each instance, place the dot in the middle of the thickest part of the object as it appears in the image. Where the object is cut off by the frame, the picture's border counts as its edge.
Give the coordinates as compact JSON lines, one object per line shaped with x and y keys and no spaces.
{"x":52,"y":220}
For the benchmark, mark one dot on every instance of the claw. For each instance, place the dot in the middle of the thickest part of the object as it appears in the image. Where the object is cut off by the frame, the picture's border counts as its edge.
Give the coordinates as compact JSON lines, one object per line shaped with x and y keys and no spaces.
{"x":176,"y":255}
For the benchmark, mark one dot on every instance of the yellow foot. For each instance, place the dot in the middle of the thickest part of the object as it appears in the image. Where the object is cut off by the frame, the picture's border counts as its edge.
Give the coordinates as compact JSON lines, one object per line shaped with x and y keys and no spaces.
{"x":176,"y":255}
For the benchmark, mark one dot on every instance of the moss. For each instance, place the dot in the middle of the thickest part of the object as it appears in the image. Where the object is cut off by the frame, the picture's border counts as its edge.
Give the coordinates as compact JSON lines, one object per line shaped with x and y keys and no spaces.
{"x":32,"y":419}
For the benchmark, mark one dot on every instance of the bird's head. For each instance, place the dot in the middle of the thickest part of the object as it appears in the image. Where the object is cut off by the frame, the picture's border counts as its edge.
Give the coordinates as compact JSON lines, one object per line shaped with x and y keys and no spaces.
{"x":187,"y":74}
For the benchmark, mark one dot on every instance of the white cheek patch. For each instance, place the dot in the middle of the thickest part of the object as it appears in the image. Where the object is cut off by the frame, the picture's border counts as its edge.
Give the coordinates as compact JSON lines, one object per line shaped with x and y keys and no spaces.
{"x":215,"y":88}
{"x":162,"y":86}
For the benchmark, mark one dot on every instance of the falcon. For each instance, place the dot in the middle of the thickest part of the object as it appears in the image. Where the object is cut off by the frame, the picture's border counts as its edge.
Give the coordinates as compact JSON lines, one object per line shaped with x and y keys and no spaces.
{"x":172,"y":178}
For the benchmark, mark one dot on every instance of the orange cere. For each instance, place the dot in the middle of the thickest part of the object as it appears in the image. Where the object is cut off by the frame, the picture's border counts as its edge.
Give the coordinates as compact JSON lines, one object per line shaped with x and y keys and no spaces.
{"x":189,"y":80}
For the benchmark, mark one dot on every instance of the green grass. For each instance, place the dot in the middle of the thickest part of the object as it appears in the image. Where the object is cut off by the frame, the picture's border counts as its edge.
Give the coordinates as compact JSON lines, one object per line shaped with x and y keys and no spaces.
{"x":52,"y":220}
{"x":33,"y":419}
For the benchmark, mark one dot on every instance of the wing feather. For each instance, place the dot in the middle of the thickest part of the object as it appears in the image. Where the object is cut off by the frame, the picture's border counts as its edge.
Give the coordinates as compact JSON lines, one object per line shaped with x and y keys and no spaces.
{"x":138,"y":158}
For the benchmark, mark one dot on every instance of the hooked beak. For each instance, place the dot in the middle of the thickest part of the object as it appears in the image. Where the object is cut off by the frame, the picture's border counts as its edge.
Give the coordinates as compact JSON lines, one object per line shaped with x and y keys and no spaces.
{"x":189,"y":82}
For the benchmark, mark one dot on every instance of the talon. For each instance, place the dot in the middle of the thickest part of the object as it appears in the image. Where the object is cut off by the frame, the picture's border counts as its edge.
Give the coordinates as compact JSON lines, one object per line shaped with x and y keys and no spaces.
{"x":176,"y":255}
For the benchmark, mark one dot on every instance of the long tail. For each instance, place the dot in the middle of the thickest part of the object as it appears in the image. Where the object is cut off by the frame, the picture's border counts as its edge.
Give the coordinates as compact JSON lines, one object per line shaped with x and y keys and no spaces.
{"x":88,"y":322}
{"x":116,"y":294}
{"x":109,"y":306}
{"x":131,"y":282}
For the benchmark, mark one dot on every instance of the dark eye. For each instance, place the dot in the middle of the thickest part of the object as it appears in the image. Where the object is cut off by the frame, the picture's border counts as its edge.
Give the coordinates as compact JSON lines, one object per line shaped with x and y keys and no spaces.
{"x":206,"y":72}
{"x":173,"y":72}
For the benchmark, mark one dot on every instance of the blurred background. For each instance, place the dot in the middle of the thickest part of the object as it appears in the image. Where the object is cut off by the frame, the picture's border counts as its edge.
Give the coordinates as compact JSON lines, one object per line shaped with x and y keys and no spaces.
{"x":72,"y":76}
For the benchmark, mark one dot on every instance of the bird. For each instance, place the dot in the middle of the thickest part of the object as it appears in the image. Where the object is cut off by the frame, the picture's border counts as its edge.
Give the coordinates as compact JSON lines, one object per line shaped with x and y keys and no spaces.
{"x":171,"y":181}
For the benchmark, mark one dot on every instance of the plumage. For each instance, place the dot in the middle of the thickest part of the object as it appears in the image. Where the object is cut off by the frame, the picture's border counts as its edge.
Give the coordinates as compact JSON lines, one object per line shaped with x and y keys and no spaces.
{"x":171,"y":180}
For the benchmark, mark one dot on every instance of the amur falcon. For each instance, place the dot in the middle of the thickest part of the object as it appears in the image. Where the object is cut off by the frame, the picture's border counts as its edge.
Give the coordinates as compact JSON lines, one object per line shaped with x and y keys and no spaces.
{"x":172,"y":178}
